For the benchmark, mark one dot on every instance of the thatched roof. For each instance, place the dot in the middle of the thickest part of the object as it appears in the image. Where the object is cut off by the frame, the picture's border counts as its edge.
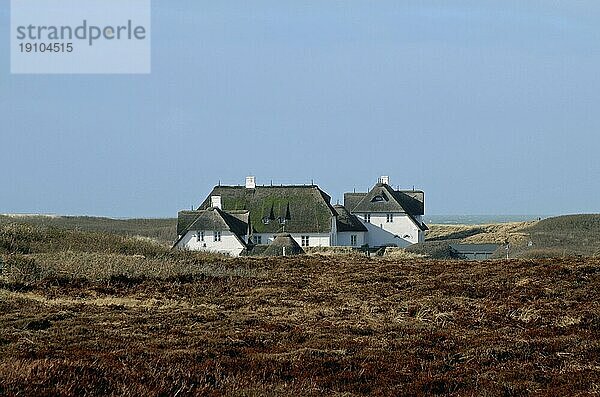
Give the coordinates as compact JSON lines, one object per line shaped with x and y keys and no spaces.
{"x":383,"y":198}
{"x":283,"y":240}
{"x":346,"y":222}
{"x":303,"y":209}
{"x":351,"y":200}
{"x":212,"y":219}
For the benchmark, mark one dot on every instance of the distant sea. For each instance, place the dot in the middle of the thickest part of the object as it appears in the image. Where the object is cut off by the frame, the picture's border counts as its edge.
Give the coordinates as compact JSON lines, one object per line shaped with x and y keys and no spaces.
{"x":479,"y":219}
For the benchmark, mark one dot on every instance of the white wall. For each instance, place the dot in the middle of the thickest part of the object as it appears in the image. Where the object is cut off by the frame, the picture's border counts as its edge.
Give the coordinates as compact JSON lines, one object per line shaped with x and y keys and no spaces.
{"x":314,"y":240}
{"x":343,"y":239}
{"x":382,"y":232}
{"x":421,"y":233}
{"x":333,"y":235}
{"x":229,"y":244}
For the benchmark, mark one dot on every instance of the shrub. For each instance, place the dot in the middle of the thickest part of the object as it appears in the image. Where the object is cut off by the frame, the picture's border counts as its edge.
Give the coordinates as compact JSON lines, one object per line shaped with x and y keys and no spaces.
{"x":17,"y":238}
{"x":26,"y":239}
{"x":97,"y":266}
{"x":433,"y":249}
{"x":21,"y":270}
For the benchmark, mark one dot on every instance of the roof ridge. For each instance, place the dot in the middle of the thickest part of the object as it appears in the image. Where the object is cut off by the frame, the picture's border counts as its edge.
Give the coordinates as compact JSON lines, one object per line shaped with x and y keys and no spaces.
{"x":371,"y":193}
{"x":267,"y":186}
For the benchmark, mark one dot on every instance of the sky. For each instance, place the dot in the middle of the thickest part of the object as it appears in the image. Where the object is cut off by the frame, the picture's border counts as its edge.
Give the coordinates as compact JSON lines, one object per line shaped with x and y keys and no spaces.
{"x":490,"y":107}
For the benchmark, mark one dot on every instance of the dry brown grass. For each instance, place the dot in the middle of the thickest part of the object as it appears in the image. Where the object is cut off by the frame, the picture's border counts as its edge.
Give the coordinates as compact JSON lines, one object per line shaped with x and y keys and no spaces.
{"x":96,"y":266}
{"x":94,"y":314}
{"x":312,"y":325}
{"x":562,"y":236}
{"x":400,"y":253}
{"x":477,"y":234}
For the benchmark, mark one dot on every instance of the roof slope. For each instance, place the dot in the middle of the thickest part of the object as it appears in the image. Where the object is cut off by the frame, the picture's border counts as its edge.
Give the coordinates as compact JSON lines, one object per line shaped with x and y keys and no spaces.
{"x":309,"y":207}
{"x":382,"y":198}
{"x":346,"y":222}
{"x":283,"y":240}
{"x":351,"y":200}
{"x":412,"y":201}
{"x":211,"y":219}
{"x":185,"y":219}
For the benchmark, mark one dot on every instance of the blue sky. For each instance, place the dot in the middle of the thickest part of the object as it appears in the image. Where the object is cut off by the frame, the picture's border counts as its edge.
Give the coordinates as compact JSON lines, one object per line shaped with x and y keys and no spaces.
{"x":491,"y":107}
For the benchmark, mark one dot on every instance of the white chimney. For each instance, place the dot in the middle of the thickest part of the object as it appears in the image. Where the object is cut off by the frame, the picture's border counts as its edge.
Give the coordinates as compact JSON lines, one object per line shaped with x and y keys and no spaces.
{"x":384,"y":179}
{"x":215,"y":201}
{"x":250,"y":182}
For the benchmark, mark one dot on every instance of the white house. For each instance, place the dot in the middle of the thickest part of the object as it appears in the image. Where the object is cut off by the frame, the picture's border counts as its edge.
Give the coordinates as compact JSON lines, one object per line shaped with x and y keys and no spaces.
{"x":213,"y":230}
{"x":392,"y":217}
{"x":234,"y":219}
{"x":350,"y":230}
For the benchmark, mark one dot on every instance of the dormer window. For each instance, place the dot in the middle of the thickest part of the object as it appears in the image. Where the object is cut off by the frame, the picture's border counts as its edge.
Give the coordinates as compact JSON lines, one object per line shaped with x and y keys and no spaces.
{"x":379,"y":198}
{"x":265,"y":220}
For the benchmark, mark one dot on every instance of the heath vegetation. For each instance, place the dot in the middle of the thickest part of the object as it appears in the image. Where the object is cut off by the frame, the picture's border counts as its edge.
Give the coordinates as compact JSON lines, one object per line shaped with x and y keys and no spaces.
{"x":87,"y":313}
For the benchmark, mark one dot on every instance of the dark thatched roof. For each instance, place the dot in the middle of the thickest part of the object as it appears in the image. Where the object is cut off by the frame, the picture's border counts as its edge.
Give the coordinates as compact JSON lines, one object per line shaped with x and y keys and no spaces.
{"x":283,"y":240}
{"x":382,"y":198}
{"x":212,"y":219}
{"x":307,"y":208}
{"x":185,"y":219}
{"x":346,"y":222}
{"x":351,"y":200}
{"x":412,"y":200}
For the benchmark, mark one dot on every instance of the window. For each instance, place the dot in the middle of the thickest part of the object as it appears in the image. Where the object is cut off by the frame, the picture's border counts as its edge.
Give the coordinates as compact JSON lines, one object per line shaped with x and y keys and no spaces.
{"x":217,"y":236}
{"x":304,"y":241}
{"x":367,"y":217}
{"x":200,"y":236}
{"x":379,"y":198}
{"x":389,"y":218}
{"x":265,"y":220}
{"x":353,"y":240}
{"x":257,"y":239}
